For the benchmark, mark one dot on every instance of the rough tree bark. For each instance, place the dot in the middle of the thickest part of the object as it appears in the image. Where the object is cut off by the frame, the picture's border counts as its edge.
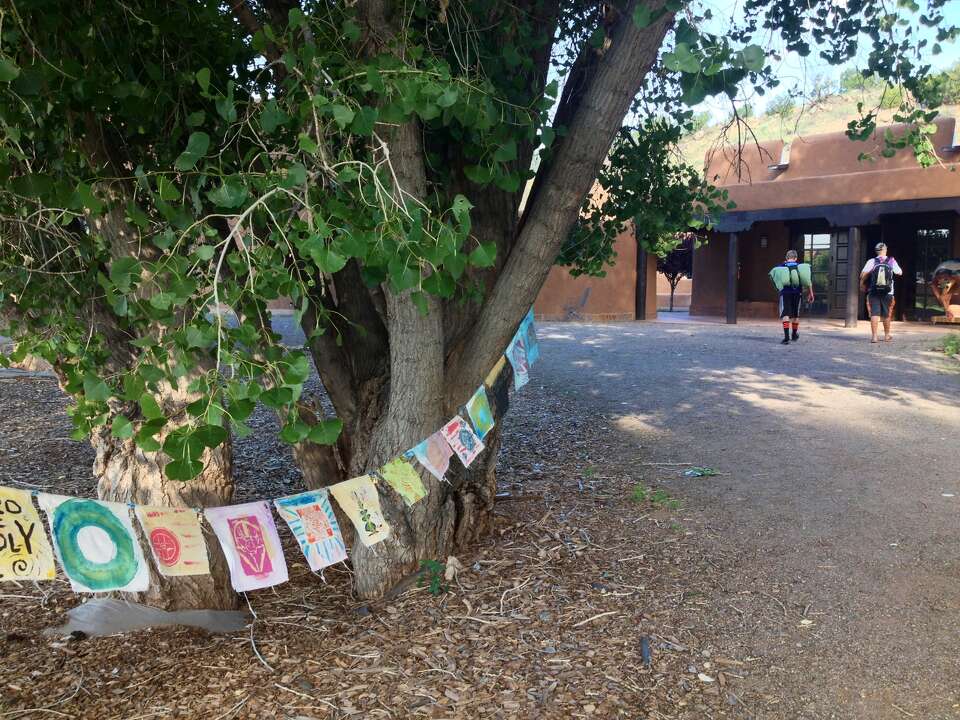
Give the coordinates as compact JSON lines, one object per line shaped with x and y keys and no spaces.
{"x":404,"y":374}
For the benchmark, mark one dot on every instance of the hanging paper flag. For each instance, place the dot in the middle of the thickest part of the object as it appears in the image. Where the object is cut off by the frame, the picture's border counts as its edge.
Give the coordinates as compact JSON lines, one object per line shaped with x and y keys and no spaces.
{"x":25,"y":553}
{"x":463,"y":440}
{"x":492,"y":376}
{"x":517,"y":355}
{"x":402,"y":477}
{"x":529,"y":333}
{"x":359,"y":500}
{"x":478,"y":408}
{"x":314,"y":525}
{"x":250,"y":543}
{"x":96,"y":544}
{"x":175,"y":538}
{"x":434,"y":454}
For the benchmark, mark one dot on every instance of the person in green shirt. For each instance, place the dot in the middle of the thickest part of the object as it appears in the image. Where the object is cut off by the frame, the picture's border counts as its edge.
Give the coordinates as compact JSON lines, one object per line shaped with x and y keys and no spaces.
{"x":792,"y":279}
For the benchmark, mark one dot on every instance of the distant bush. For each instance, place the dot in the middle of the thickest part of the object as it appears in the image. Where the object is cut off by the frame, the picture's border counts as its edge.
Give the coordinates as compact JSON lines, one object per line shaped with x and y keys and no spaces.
{"x":781,"y":106}
{"x":892,"y":97}
{"x":698,"y":122}
{"x":854,"y":80}
{"x":942,"y":88}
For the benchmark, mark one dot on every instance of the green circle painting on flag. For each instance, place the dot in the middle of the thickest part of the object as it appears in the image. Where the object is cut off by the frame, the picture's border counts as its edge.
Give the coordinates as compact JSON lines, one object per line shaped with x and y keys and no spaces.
{"x":95,"y":546}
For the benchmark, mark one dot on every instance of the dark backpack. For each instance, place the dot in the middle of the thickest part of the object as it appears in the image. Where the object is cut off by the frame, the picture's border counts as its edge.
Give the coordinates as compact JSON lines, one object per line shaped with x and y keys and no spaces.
{"x":881,"y":277}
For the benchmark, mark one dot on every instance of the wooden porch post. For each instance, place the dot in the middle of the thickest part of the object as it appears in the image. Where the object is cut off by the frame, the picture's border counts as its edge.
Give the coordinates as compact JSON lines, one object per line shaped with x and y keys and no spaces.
{"x":732,"y":257}
{"x":854,"y":262}
{"x":640,"y":289}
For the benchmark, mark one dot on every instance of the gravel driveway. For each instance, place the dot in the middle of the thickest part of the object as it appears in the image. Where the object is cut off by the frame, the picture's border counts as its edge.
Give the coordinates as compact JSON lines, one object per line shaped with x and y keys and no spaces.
{"x":836,"y":516}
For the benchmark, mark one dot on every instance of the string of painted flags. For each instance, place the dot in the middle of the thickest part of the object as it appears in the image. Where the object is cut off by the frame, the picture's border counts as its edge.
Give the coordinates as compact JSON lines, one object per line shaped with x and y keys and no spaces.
{"x":96,"y":544}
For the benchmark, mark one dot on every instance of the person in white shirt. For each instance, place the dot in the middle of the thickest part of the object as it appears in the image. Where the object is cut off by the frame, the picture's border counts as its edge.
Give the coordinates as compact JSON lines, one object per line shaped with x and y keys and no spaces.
{"x":876,"y":280}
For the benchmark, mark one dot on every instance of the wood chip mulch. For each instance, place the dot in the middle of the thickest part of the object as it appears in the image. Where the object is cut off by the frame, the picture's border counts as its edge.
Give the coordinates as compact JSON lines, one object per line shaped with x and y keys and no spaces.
{"x":552,"y":616}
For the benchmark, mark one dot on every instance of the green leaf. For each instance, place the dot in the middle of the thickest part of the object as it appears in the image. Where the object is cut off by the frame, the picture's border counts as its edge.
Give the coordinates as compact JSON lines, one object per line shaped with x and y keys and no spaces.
{"x":479,"y":174}
{"x":296,"y":175}
{"x":183,"y":470}
{"x":342,"y":115}
{"x":210,"y":436}
{"x":455,"y":265}
{"x":364,"y":121}
{"x":95,"y":389}
{"x":448,"y":97}
{"x":326,"y":432}
{"x":203,"y":78}
{"x":123,"y":272}
{"x":277,"y":397}
{"x":506,"y":152}
{"x":197,"y":147}
{"x":294,"y":432}
{"x":205,"y":252}
{"x":351,"y":31}
{"x":753,"y":58}
{"x":166,"y":189}
{"x":681,"y":60}
{"x":597,"y":37}
{"x":642,"y":16}
{"x":485,"y":255}
{"x":307,"y":144}
{"x":402,"y":276}
{"x":440,"y":284}
{"x":232,"y":193}
{"x":420,"y":300}
{"x":150,"y":408}
{"x":547,"y":136}
{"x":8,"y":70}
{"x":328,"y":260}
{"x":122,"y":428}
{"x":272,"y":117}
{"x":196,"y":118}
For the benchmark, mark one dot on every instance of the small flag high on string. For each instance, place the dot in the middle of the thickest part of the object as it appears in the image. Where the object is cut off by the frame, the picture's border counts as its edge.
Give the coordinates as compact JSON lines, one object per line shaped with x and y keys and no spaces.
{"x":463,"y":440}
{"x":528,"y":332}
{"x":434,"y":454}
{"x":517,"y":355}
{"x":478,"y":408}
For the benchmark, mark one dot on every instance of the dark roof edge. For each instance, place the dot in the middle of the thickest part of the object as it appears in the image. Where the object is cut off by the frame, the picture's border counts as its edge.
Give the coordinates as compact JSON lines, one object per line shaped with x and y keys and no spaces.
{"x":836,"y":215}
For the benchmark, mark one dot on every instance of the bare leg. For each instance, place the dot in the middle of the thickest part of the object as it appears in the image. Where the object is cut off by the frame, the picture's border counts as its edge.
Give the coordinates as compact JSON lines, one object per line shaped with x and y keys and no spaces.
{"x":886,"y":329}
{"x":874,"y":324}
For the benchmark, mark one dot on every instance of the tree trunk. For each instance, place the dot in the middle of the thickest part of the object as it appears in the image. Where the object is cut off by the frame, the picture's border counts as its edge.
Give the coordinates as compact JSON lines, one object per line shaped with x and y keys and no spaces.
{"x":125,"y":473}
{"x":673,"y":289}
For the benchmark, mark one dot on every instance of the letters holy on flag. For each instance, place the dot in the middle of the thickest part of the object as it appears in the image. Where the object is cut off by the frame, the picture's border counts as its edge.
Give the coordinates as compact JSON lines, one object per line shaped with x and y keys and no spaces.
{"x":250,"y":543}
{"x":25,"y":553}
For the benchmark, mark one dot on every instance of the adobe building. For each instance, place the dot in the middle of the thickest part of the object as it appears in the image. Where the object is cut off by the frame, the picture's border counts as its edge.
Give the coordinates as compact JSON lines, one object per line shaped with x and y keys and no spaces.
{"x":628,"y":291}
{"x":817,"y":197}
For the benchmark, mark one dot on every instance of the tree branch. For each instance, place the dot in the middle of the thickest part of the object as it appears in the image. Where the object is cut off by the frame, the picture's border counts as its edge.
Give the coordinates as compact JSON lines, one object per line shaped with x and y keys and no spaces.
{"x":605,"y":98}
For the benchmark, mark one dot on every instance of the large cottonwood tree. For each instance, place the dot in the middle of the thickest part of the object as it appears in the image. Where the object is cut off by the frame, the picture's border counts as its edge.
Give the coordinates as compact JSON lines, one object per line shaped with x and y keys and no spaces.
{"x":169,"y":168}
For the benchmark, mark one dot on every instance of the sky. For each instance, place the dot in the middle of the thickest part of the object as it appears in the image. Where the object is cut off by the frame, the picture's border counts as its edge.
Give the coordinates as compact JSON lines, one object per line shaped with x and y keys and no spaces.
{"x":797,"y":72}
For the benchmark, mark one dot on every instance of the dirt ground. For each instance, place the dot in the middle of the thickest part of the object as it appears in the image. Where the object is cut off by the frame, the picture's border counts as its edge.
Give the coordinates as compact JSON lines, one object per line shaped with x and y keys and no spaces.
{"x":816,"y":576}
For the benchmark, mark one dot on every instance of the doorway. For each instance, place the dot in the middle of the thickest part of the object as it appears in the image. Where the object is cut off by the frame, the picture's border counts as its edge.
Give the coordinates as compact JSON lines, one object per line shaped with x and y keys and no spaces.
{"x":827,"y":253}
{"x":933,"y":247}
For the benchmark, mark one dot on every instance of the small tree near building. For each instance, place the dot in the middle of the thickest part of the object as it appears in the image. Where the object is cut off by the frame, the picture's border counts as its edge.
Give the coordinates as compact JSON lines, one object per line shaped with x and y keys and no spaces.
{"x":678,"y":263}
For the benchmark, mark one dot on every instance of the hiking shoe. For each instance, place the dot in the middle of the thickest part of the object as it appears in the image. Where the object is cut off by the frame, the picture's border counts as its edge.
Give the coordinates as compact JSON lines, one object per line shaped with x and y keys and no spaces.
{"x":785,"y":341}
{"x":796,"y":335}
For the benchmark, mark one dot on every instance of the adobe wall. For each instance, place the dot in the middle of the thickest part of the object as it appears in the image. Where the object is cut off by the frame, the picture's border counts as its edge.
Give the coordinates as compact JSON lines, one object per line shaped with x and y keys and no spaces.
{"x":613,"y":297}
{"x":710,"y":276}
